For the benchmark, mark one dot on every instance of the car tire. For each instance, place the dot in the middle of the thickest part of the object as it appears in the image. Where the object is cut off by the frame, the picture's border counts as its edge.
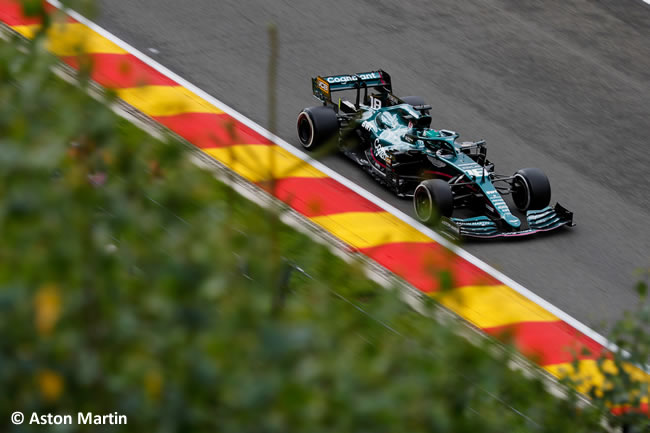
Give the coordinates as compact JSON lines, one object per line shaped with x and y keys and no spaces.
{"x":433,"y":199}
{"x":531,"y":189}
{"x":316,"y":125}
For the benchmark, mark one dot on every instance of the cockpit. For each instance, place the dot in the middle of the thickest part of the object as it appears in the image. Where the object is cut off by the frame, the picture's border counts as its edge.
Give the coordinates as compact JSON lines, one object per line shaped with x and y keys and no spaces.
{"x":405,"y":116}
{"x":422,"y":122}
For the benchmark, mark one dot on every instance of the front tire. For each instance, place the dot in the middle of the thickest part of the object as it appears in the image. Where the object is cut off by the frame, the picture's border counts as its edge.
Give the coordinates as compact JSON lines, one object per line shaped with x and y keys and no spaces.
{"x":531,"y":189}
{"x":433,"y":199}
{"x":316,"y":125}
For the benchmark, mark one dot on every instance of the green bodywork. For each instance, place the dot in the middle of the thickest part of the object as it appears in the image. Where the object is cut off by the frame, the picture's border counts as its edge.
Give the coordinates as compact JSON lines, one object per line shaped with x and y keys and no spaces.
{"x":392,"y":132}
{"x":399,"y":149}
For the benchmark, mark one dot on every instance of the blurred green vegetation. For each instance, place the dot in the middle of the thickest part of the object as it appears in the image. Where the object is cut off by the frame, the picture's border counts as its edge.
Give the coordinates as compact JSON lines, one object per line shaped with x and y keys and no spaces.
{"x":626,"y":386}
{"x":132,"y":281}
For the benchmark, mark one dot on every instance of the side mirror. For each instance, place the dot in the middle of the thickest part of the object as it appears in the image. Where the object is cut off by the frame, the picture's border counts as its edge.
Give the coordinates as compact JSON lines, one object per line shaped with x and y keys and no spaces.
{"x":448,"y":133}
{"x":482,"y":154}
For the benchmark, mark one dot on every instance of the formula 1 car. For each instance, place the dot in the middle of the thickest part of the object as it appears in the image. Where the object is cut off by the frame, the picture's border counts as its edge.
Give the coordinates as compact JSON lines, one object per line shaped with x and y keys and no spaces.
{"x":451,"y":183}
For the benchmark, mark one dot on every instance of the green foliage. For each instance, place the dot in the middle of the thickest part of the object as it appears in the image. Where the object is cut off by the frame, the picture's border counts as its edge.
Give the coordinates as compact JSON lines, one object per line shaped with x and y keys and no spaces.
{"x":133,"y":282}
{"x":626,"y":381}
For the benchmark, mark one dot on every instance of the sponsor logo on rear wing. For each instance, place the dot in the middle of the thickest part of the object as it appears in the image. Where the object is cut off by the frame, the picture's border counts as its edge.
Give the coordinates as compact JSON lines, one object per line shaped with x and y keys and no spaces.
{"x":323,"y":86}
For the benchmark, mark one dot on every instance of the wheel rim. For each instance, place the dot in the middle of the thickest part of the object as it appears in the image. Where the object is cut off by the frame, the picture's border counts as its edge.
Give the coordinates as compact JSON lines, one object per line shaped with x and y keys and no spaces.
{"x":520,"y":193}
{"x":423,"y":203}
{"x":305,"y":130}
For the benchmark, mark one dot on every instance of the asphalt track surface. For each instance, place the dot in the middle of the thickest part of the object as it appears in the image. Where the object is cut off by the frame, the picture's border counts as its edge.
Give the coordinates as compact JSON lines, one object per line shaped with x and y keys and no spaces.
{"x":563,"y":85}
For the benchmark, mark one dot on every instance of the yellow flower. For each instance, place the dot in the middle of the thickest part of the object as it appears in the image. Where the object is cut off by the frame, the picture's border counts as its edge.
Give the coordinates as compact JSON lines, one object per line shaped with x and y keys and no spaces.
{"x":51,"y":384}
{"x":47,"y":304}
{"x":153,"y":382}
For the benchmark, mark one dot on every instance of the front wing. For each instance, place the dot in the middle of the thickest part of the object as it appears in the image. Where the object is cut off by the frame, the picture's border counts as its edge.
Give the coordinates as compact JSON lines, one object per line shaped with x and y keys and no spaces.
{"x":482,"y":227}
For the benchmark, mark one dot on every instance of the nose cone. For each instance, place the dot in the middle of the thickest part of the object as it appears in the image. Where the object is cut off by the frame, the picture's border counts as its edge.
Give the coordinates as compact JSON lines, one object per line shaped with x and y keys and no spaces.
{"x":513,"y":221}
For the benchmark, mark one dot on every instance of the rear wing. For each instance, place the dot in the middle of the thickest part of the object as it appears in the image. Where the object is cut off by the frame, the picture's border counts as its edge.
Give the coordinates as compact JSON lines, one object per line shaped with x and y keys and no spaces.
{"x":324,"y":86}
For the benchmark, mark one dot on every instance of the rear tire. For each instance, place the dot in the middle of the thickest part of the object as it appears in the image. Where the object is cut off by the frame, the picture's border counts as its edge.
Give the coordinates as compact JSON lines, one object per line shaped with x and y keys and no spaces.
{"x":531,"y":189}
{"x":433,"y":199}
{"x":316,"y":125}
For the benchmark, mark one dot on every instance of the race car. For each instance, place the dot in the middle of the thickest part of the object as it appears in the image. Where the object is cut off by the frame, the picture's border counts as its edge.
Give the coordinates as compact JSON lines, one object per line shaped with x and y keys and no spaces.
{"x":451,"y":183}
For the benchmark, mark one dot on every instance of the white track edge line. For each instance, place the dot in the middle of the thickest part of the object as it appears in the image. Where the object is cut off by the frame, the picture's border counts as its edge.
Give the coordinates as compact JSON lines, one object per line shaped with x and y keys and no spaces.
{"x":575,"y":323}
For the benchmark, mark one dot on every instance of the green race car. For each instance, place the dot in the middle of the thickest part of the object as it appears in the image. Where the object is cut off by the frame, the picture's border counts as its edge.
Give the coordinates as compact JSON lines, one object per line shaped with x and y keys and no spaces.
{"x":450,"y":182}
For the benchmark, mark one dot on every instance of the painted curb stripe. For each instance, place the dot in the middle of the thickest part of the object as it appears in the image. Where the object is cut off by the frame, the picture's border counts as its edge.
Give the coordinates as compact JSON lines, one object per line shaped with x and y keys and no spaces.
{"x":428,"y":266}
{"x":119,"y":70}
{"x":394,"y":243}
{"x":158,"y":101}
{"x":70,"y":39}
{"x":209,"y":130}
{"x":320,"y":196}
{"x":262,"y":163}
{"x":369,"y":229}
{"x":529,"y":337}
{"x":11,"y":14}
{"x":488,"y":307}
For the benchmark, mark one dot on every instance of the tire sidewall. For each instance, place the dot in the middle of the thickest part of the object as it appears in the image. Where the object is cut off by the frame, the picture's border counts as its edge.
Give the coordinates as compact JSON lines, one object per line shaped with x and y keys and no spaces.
{"x":304,"y":116}
{"x":440,"y":200}
{"x":524,"y":181}
{"x":421,"y":189}
{"x":538,"y":189}
{"x":322,"y":123}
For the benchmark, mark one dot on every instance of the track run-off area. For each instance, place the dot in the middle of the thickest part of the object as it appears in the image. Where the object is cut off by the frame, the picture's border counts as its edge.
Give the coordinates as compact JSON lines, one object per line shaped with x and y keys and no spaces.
{"x":536,"y":82}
